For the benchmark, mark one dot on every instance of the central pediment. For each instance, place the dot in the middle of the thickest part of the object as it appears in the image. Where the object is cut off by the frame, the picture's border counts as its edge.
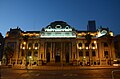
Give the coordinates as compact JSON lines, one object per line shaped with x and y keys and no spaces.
{"x":58,"y":29}
{"x":58,"y":26}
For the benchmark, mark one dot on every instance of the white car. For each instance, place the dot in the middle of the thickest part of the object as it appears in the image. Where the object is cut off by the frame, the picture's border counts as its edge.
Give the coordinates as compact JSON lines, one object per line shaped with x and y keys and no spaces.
{"x":116,"y":63}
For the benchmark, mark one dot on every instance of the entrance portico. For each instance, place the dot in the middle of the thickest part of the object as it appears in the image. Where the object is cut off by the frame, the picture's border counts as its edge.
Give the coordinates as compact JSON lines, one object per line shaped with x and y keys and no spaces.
{"x":58,"y":51}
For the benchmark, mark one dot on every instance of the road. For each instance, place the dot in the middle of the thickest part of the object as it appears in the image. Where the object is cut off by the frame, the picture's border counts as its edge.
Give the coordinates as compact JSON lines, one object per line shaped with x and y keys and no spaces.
{"x":101,"y":73}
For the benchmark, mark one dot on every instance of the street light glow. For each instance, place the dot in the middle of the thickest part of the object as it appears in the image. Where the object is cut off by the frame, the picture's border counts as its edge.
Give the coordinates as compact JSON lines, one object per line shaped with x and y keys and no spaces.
{"x":23,"y":48}
{"x":86,"y":47}
{"x":30,"y":57}
{"x":95,"y":42}
{"x":36,"y":48}
{"x":24,"y":43}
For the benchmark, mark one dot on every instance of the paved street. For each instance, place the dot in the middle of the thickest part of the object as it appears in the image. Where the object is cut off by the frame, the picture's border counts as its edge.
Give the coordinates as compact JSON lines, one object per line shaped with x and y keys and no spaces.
{"x":76,"y":73}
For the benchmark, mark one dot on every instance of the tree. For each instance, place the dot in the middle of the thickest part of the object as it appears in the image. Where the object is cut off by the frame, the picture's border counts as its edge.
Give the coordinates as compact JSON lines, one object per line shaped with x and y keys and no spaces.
{"x":8,"y":52}
{"x":88,"y":37}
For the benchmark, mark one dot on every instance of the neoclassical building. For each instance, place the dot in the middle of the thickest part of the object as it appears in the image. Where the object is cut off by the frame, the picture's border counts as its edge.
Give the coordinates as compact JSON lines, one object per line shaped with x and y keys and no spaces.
{"x":61,"y":43}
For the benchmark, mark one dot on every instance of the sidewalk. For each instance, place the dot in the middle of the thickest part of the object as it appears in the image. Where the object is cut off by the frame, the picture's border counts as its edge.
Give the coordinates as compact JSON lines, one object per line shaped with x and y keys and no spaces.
{"x":63,"y":67}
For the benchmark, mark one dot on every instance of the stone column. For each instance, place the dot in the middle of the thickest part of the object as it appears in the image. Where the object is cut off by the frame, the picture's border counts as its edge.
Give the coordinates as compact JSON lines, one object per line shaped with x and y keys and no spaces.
{"x":61,"y":54}
{"x":53,"y":51}
{"x":45,"y":46}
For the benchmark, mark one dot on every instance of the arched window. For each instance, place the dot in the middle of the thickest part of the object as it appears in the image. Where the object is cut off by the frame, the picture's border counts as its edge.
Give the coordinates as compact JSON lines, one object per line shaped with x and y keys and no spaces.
{"x":30,"y":45}
{"x":36,"y":44}
{"x":86,"y":44}
{"x":58,"y":27}
{"x":80,"y":44}
{"x":93,"y":45}
{"x":49,"y":27}
{"x":67,"y":27}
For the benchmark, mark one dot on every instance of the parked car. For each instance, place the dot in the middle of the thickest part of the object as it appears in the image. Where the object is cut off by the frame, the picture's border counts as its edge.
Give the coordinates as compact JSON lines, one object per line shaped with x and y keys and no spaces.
{"x":116,"y":63}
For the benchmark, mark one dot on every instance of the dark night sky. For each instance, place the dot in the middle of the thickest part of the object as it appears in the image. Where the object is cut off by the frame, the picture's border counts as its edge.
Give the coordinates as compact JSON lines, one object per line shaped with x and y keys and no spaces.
{"x":35,"y":14}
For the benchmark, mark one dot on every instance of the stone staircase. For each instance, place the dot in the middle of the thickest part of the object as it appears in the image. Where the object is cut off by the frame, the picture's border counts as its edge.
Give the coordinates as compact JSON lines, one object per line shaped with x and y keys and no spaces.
{"x":54,"y":64}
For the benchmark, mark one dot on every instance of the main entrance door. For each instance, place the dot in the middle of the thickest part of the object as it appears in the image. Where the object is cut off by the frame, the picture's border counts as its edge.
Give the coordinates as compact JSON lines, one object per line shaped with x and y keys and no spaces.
{"x":57,"y":58}
{"x":67,"y":51}
{"x":57,"y":51}
{"x":67,"y":57}
{"x":48,"y":57}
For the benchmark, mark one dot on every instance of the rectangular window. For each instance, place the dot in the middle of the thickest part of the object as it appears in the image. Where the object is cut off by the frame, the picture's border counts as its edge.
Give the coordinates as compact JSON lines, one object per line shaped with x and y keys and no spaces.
{"x":105,"y":44}
{"x":87,"y":53}
{"x":29,"y":53}
{"x":93,"y":53}
{"x":80,"y":53}
{"x":35,"y":53}
{"x":106,"y":54}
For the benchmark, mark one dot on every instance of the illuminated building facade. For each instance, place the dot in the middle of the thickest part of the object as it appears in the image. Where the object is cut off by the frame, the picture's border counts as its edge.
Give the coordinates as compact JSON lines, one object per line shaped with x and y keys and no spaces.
{"x":61,"y":43}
